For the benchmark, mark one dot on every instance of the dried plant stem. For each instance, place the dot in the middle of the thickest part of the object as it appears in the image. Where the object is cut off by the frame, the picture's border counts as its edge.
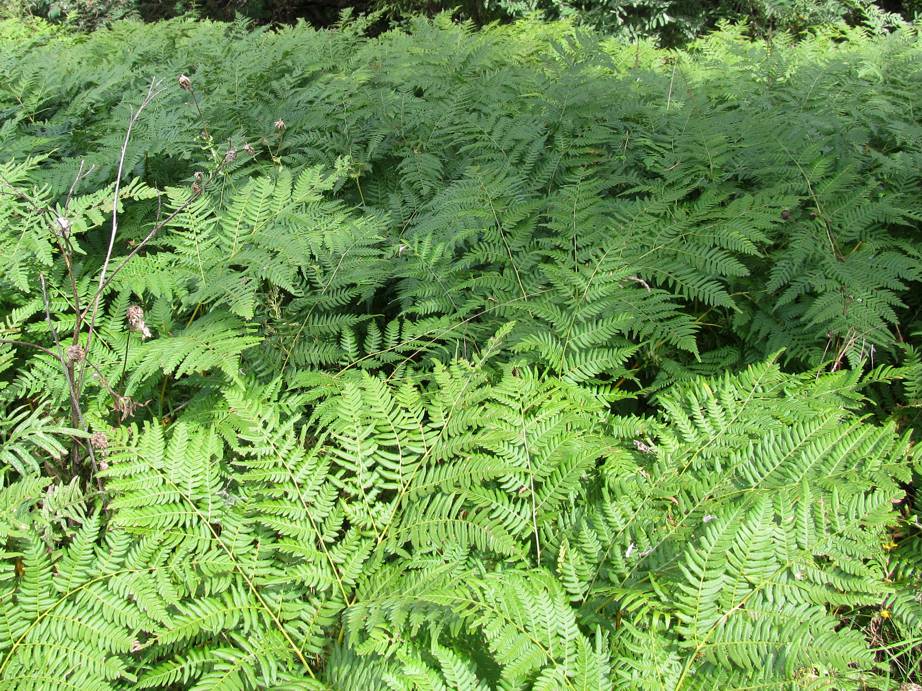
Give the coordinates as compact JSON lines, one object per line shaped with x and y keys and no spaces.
{"x":76,"y":414}
{"x":152,"y":93}
{"x":147,"y":238}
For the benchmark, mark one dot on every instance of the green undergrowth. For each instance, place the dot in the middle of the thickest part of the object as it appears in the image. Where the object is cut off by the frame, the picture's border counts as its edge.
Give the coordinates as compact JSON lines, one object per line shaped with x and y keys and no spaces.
{"x":458,"y":359}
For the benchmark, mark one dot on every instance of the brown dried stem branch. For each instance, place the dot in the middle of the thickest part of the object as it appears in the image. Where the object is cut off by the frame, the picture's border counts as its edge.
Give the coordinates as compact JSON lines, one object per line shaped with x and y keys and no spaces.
{"x":152,"y":92}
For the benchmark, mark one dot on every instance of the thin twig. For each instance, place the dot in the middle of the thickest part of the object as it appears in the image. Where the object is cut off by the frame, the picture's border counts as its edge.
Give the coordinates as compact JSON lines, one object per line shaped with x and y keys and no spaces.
{"x":67,"y":252}
{"x":820,"y":213}
{"x":36,"y":206}
{"x":147,"y":238}
{"x":152,"y":93}
{"x":675,"y":64}
{"x":200,"y":116}
{"x":77,"y":179}
{"x":27,"y":344}
{"x":60,"y":232}
{"x":77,"y":419}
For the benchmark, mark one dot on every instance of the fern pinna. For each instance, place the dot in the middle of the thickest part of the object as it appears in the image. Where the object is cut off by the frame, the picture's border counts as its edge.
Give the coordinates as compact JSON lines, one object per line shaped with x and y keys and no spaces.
{"x":510,"y":358}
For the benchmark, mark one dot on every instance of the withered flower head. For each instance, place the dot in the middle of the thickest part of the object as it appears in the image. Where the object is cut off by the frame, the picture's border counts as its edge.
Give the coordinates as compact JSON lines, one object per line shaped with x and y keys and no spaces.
{"x":75,"y":353}
{"x":125,"y":406}
{"x":99,"y":441}
{"x":63,"y":225}
{"x":185,"y":82}
{"x":135,"y":316}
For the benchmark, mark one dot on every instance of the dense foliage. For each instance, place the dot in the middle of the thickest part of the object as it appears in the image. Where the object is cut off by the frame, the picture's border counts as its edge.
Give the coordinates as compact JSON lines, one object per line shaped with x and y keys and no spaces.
{"x":514,"y":358}
{"x":672,"y":22}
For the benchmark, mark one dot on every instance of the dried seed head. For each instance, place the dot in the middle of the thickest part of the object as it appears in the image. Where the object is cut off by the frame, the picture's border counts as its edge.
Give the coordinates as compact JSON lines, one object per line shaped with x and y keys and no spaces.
{"x":231,"y":155}
{"x":99,"y":441}
{"x":643,"y":447}
{"x":135,"y":316}
{"x":249,"y":149}
{"x":63,"y":226}
{"x":75,"y":353}
{"x":185,"y":82}
{"x":103,"y":465}
{"x":125,"y":406}
{"x":280,"y":124}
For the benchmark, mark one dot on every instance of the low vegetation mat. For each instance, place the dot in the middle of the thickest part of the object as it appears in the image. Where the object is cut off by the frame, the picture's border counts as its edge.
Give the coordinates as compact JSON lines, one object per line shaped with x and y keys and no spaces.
{"x":459,"y":359}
